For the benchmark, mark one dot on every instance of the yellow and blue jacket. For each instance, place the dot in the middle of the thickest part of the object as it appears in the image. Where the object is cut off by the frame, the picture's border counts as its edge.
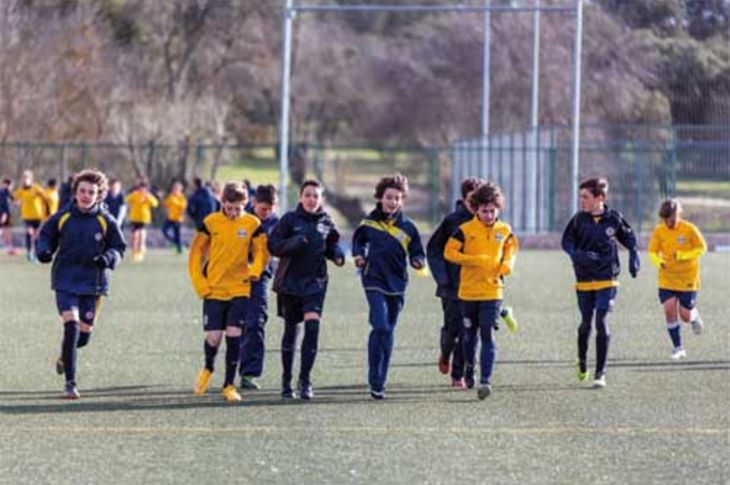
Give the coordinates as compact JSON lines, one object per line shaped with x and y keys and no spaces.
{"x":33,"y":202}
{"x":486,"y":255}
{"x":219,"y":265}
{"x":140,"y":206}
{"x":592,"y":244}
{"x":175,"y":205}
{"x":385,"y":243}
{"x":52,"y":200}
{"x":87,"y":246}
{"x":676,"y":252}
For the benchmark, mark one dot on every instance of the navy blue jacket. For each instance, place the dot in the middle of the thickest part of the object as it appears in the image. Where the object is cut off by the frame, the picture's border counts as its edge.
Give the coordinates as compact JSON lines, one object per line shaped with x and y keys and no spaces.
{"x":115,"y":203}
{"x":259,"y":288}
{"x":87,"y":245}
{"x":385,"y":243}
{"x":446,"y":274}
{"x":200,"y":204}
{"x":592,"y":244}
{"x":303,"y":242}
{"x":5,"y":201}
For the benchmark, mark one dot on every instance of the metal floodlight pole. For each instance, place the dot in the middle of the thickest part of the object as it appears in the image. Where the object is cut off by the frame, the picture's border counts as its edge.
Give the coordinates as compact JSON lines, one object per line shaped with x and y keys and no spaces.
{"x":285,"y":102}
{"x":486,"y":72}
{"x":532,"y":221}
{"x":576,"y":103}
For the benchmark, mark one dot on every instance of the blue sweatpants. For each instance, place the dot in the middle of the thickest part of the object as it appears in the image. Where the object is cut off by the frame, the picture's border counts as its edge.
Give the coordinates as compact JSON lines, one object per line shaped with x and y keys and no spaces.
{"x":480,"y":320}
{"x":384,"y":311}
{"x":252,"y":344}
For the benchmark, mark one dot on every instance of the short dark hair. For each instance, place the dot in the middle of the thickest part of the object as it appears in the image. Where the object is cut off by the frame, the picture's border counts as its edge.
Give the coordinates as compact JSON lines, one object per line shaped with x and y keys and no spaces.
{"x":398,"y":182}
{"x":113,"y":181}
{"x":596,"y":186}
{"x":265,"y":194}
{"x":52,"y":182}
{"x":469,"y":185}
{"x":198,"y":182}
{"x":234,"y":192}
{"x":669,"y":207}
{"x":94,"y":177}
{"x":310,"y":183}
{"x":487,"y":193}
{"x":7,"y":181}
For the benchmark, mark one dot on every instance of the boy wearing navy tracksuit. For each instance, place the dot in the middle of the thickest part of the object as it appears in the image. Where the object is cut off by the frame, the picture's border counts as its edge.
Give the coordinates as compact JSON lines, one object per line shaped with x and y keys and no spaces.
{"x":591,"y":240}
{"x":252,"y":344}
{"x":303,"y":240}
{"x":447,"y":280}
{"x":87,"y":244}
{"x":381,"y":246}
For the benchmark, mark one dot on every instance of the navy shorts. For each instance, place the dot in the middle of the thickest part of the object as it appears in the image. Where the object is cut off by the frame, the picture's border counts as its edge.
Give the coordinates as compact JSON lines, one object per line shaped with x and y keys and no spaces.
{"x":87,"y":305}
{"x":603,"y":299}
{"x":136,"y":226}
{"x":484,"y":312}
{"x":292,"y":308}
{"x":687,"y":299}
{"x":34,"y":223}
{"x":219,"y":314}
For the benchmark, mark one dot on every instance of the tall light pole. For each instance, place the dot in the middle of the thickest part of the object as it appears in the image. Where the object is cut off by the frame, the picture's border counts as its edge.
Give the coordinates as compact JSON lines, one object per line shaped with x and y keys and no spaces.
{"x":285,"y":103}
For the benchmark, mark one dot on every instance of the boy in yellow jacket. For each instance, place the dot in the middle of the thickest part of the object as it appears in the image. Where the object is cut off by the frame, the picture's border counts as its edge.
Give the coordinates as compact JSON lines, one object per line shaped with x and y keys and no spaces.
{"x":33,"y":208}
{"x":175,"y":203}
{"x":140,"y":203}
{"x":675,"y":248}
{"x":222,"y":275}
{"x":485,"y":248}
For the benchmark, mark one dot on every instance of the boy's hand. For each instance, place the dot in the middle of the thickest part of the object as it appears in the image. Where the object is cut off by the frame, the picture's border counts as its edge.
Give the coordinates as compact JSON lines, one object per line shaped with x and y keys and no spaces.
{"x":339,"y":261}
{"x":44,"y":256}
{"x":504,"y":270}
{"x":359,"y":261}
{"x":101,"y":262}
{"x":417,"y":264}
{"x":634,"y":263}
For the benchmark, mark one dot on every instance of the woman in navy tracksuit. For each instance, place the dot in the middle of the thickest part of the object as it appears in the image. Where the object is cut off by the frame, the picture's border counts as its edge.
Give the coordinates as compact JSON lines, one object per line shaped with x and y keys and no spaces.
{"x":87,"y":244}
{"x":381,"y":245}
{"x":303,"y":240}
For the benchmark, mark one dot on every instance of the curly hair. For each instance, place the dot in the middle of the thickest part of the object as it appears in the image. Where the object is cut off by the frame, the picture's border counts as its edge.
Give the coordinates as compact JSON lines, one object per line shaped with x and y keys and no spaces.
{"x":487,"y":193}
{"x":398,"y":182}
{"x":94,"y":177}
{"x":596,"y":186}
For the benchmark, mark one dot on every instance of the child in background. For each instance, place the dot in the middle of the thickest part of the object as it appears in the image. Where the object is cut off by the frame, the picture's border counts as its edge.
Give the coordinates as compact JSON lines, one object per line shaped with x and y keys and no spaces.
{"x":175,"y":203}
{"x":140,"y":202}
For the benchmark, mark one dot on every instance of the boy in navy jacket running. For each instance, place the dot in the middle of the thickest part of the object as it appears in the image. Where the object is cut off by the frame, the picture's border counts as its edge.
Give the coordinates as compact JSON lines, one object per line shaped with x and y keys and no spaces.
{"x":303,"y":240}
{"x":381,"y":246}
{"x":87,"y":244}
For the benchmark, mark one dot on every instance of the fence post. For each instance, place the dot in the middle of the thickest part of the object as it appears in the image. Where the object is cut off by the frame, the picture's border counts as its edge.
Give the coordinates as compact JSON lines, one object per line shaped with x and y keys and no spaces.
{"x":435,"y":184}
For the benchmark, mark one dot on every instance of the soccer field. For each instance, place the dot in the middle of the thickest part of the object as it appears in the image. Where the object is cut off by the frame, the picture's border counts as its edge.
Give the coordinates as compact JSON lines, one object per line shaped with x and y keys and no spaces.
{"x":657,"y":421}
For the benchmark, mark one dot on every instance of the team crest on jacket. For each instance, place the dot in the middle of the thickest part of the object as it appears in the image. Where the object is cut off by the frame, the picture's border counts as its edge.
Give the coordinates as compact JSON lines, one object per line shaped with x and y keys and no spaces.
{"x":98,"y":236}
{"x":681,"y":239}
{"x":610,"y":231}
{"x":323,"y":228}
{"x":499,"y":236}
{"x":241,"y":233}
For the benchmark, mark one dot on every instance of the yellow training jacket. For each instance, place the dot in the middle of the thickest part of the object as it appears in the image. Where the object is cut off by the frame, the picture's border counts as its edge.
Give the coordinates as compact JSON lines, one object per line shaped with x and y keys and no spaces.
{"x":485,"y":254}
{"x":219,"y":256}
{"x":678,"y":250}
{"x":175,"y":205}
{"x":33,"y":203}
{"x":140,"y":206}
{"x":52,"y":199}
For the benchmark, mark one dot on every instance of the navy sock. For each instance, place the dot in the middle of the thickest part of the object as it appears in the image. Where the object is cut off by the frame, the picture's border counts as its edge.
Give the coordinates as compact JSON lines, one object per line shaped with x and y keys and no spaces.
{"x":584,"y":333}
{"x":675,"y":333}
{"x":68,"y":349}
{"x":603,"y":341}
{"x":309,"y":349}
{"x":84,"y":338}
{"x":288,"y":347}
{"x":210,"y":353}
{"x":233,"y":355}
{"x":28,"y":242}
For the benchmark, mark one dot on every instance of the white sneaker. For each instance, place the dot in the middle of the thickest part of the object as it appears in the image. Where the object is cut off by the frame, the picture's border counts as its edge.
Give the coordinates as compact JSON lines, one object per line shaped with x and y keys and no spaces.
{"x":697,"y":325}
{"x":678,"y":354}
{"x":599,"y":382}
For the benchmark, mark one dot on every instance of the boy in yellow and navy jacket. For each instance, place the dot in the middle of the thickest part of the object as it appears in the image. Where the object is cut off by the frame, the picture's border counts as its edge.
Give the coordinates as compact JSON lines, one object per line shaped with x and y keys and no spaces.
{"x":33,"y":209}
{"x":591,"y":239}
{"x":221,"y":274}
{"x":485,"y":248}
{"x":381,"y":246}
{"x":140,"y":203}
{"x":88,"y":244}
{"x":175,"y":203}
{"x":675,"y":248}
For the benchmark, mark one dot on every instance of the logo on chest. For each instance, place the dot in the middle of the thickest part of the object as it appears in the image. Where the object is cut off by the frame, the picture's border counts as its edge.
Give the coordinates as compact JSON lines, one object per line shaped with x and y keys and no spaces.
{"x":323,"y":228}
{"x":241,"y":234}
{"x":98,"y":236}
{"x":499,"y":237}
{"x":681,"y":240}
{"x":610,"y":231}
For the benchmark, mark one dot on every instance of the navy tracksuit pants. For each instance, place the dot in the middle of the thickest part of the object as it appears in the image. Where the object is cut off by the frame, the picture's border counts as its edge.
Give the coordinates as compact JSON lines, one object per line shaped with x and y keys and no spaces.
{"x":384,"y":312}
